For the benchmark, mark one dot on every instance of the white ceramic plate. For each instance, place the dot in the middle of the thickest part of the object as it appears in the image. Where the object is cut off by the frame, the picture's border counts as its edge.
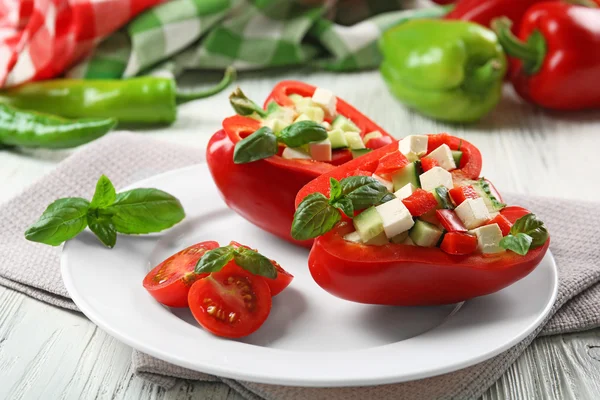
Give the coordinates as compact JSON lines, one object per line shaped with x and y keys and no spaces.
{"x":311,"y":338}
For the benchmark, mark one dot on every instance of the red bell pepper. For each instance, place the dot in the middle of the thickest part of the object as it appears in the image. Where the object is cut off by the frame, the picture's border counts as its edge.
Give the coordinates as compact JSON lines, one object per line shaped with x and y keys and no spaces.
{"x":399,"y":274}
{"x":460,"y":194}
{"x":458,"y":243}
{"x":263,"y":192}
{"x":420,"y":202}
{"x":450,"y":221}
{"x":470,"y":162}
{"x":557,"y":63}
{"x":428,"y":163}
{"x":502,"y":222}
{"x":390,"y":163}
{"x":483,"y":12}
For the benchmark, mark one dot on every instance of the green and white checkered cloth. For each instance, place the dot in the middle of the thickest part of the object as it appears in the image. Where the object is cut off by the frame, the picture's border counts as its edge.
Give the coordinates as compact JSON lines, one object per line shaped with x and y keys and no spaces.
{"x":249,"y":34}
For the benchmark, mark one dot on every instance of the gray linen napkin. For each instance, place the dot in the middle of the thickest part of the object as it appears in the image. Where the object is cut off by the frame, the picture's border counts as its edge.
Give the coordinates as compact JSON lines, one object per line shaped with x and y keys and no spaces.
{"x":33,"y":269}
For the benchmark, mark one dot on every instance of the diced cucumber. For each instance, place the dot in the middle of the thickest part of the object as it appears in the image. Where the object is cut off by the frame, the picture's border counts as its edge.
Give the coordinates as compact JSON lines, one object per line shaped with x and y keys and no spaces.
{"x":409,"y":242}
{"x":353,"y":237}
{"x":482,"y":187}
{"x":338,"y":139}
{"x":379,"y":240}
{"x":399,"y":238}
{"x":369,"y":225}
{"x":276,"y":125}
{"x":372,"y":135}
{"x":354,"y":140}
{"x":457,"y":155}
{"x":425,"y":234}
{"x":302,"y":117}
{"x":409,"y":174}
{"x":442,"y":196}
{"x":344,"y":124}
{"x":315,"y":113}
{"x":292,"y":154}
{"x":360,"y":152}
{"x":295,"y":97}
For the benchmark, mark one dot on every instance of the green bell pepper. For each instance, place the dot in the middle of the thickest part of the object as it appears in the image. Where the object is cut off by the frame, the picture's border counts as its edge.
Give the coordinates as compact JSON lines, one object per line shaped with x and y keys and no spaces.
{"x":447,"y":70}
{"x":142,"y":100}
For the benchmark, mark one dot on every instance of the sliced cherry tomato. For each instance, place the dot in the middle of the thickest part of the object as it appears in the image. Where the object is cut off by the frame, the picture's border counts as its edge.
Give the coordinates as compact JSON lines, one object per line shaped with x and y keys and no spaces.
{"x":459,"y":243}
{"x":450,"y":221}
{"x":276,"y":285}
{"x":420,"y":202}
{"x":170,"y":281}
{"x":376,"y":143}
{"x":502,"y":222}
{"x":391,"y":162}
{"x":460,"y":194}
{"x":230,"y":303}
{"x":428,"y":163}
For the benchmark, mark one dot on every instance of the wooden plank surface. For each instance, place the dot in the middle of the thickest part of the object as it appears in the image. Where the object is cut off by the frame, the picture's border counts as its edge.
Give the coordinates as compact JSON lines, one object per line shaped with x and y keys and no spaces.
{"x":49,"y":353}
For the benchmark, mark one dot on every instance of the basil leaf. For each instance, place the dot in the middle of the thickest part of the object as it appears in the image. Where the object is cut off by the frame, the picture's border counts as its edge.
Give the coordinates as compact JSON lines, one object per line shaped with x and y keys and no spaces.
{"x":214,"y":260}
{"x":103,"y":228}
{"x":314,"y":217}
{"x":335,"y":189}
{"x":387,"y":198}
{"x":259,"y":145}
{"x":301,"y":133}
{"x":62,"y":220}
{"x":363,"y":191}
{"x":254,"y":262}
{"x":242,"y":105}
{"x":141,"y":211}
{"x":530,"y":225}
{"x":105,"y":193}
{"x":344,"y":204}
{"x":519,"y":243}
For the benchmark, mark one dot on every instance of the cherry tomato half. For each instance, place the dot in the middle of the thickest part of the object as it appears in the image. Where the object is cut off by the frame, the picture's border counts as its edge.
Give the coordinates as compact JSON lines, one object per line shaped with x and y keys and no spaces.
{"x":170,"y":281}
{"x":230,"y":303}
{"x":276,"y":285}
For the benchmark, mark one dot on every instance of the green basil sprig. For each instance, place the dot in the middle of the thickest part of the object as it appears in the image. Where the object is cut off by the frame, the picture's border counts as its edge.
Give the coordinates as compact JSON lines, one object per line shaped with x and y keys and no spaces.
{"x":242,"y":105}
{"x":250,"y":260}
{"x":527,"y":233}
{"x":136,"y":211}
{"x":317,"y":214}
{"x":263,"y":143}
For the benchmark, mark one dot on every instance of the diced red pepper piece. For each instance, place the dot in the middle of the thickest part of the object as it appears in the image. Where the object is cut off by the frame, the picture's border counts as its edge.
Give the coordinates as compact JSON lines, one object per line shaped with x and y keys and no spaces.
{"x":502,"y":222}
{"x":391,"y":162}
{"x":459,"y":243}
{"x":460,"y":194}
{"x":360,"y":172}
{"x":420,"y":202}
{"x":376,"y":143}
{"x":450,"y":221}
{"x":428,"y":163}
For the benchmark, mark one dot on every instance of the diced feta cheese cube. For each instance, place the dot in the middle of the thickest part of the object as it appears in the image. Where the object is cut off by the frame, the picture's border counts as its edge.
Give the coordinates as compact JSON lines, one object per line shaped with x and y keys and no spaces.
{"x":326,"y":125}
{"x":405,"y":191}
{"x":473,"y":213}
{"x":326,"y":100}
{"x":291,"y":153}
{"x":395,"y":216}
{"x":353,"y":237}
{"x":315,"y":113}
{"x":320,"y":151}
{"x":413,"y":146}
{"x":436,"y":176}
{"x":488,"y":238}
{"x":302,"y":117}
{"x":388,"y":185}
{"x":354,"y":140}
{"x":443,"y":155}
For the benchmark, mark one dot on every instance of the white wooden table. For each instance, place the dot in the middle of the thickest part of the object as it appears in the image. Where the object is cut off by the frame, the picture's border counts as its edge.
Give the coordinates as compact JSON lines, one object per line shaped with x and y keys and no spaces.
{"x":49,"y":353}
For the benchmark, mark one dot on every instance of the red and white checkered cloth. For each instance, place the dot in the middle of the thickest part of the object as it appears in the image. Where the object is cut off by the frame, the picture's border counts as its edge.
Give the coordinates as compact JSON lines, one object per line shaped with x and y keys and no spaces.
{"x":39,"y":39}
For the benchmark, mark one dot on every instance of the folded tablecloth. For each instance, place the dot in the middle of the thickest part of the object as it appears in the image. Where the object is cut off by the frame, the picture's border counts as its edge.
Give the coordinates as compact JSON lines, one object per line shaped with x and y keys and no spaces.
{"x":34,"y":269}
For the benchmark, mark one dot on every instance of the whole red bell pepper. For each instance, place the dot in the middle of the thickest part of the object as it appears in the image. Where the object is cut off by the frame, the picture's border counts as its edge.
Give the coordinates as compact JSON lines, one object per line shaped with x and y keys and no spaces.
{"x":263,"y":192}
{"x":399,"y":274}
{"x":557,"y":63}
{"x":483,"y":12}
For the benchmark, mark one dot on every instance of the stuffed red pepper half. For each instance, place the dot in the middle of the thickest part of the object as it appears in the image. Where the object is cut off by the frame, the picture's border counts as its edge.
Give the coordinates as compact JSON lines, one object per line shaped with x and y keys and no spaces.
{"x":412,"y":223}
{"x":263,"y":156}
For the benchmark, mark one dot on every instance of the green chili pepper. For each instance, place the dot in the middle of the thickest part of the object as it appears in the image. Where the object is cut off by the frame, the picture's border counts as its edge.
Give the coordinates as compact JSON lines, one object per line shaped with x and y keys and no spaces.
{"x":143,"y":100}
{"x":448,"y":70}
{"x":33,"y":129}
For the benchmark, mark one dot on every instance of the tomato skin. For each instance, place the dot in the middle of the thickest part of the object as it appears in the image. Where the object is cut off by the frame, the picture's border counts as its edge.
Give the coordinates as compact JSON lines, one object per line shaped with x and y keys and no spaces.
{"x":397,"y":274}
{"x":263,"y":192}
{"x":278,"y":284}
{"x":173,"y":291}
{"x":218,"y":302}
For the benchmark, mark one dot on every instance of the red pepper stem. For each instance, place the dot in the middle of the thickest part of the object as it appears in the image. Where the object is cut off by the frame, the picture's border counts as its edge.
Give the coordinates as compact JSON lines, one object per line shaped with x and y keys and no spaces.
{"x":532,"y":52}
{"x":189,"y":95}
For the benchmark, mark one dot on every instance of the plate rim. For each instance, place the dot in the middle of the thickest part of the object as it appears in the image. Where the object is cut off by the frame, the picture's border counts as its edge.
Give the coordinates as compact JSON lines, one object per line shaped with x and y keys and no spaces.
{"x":87,"y":310}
